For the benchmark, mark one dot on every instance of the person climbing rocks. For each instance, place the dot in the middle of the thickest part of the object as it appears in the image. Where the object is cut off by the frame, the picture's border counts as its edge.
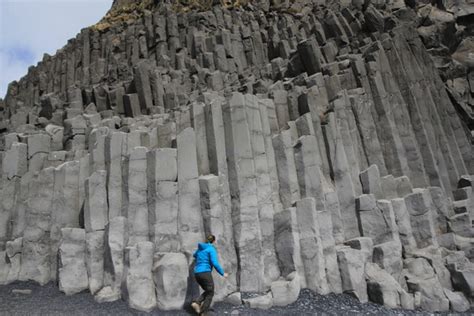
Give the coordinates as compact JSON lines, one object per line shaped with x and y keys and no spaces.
{"x":206,"y":260}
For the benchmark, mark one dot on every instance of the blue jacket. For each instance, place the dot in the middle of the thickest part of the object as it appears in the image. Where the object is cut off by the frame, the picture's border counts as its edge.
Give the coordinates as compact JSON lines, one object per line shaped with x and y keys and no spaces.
{"x":206,"y":259}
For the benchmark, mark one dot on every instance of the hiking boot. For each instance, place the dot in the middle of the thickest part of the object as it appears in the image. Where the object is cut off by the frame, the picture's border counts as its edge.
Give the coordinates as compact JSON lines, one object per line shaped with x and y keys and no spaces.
{"x":196,"y":307}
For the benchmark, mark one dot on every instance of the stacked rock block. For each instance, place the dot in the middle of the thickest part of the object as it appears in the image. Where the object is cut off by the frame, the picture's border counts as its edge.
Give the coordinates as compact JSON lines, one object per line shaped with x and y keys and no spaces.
{"x":321,"y":150}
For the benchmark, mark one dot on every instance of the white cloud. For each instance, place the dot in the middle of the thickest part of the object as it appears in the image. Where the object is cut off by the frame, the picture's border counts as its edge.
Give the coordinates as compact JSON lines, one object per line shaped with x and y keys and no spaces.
{"x":30,"y":28}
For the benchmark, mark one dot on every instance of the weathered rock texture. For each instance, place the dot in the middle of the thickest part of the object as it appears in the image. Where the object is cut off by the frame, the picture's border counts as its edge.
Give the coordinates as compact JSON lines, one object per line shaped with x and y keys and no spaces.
{"x":325,"y":143}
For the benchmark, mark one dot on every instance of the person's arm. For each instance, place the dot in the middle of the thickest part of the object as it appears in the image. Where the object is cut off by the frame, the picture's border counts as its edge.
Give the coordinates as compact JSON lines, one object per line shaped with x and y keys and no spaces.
{"x":215,"y":261}
{"x":195,"y":253}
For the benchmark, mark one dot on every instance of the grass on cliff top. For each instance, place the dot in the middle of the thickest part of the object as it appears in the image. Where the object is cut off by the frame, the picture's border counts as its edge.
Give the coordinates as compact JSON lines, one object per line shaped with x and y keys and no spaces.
{"x":133,"y":11}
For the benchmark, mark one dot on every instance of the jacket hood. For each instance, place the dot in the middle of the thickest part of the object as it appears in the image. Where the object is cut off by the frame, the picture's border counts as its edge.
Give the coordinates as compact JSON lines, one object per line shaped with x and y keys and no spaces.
{"x":204,"y":245}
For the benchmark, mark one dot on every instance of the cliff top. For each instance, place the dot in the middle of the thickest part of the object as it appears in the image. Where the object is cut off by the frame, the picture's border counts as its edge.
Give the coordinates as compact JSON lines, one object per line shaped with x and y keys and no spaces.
{"x":129,"y":10}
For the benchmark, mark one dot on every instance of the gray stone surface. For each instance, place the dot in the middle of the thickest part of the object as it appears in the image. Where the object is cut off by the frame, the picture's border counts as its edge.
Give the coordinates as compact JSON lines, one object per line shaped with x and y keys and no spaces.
{"x":285,"y":292}
{"x":311,"y":247}
{"x":260,"y":302}
{"x":418,"y":206}
{"x":138,"y":287}
{"x":137,"y":209}
{"x":35,"y":256}
{"x":376,"y":218}
{"x":324,"y":144}
{"x":170,"y":274}
{"x":352,"y":267}
{"x":287,"y":244}
{"x":308,"y":165}
{"x":94,"y":258}
{"x":95,"y":207}
{"x":213,"y":218}
{"x":72,"y":261}
{"x":243,"y":188}
{"x":116,"y":239}
{"x":371,"y":183}
{"x":15,"y":161}
{"x":285,"y":162}
{"x":114,"y":153}
{"x":421,"y":278}
{"x":190,"y":224}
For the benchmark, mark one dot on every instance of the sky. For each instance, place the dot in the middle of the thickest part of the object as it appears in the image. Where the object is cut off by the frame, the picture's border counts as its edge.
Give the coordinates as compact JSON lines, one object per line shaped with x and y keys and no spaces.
{"x":30,"y":28}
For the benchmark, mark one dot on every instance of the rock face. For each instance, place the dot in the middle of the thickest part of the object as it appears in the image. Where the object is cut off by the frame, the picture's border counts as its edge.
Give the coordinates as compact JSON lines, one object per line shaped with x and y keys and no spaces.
{"x":327,"y":145}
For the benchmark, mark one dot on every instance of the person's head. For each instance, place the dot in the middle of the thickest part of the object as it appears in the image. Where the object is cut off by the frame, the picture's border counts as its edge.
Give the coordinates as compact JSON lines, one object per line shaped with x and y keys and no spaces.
{"x":210,"y":239}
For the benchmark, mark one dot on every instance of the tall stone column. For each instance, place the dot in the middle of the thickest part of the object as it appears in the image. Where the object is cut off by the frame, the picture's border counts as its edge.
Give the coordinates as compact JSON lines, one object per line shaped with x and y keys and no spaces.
{"x":243,"y":188}
{"x":218,"y":165}
{"x":199,"y":125}
{"x":285,"y":162}
{"x":407,"y":77}
{"x":350,"y":148}
{"x":97,"y":139}
{"x":308,"y":166}
{"x":162,"y":172}
{"x":270,"y":154}
{"x":345,"y":191}
{"x":400,"y":113}
{"x":36,"y":254}
{"x":361,"y":107}
{"x":311,"y":246}
{"x":214,"y":223}
{"x":65,"y":206}
{"x":190,"y":225}
{"x":137,"y":210}
{"x":392,"y":147}
{"x":115,"y":149}
{"x":316,"y":103}
{"x":287,"y":244}
{"x":72,"y":266}
{"x":264,"y":188}
{"x":418,"y":205}
{"x":116,"y":239}
{"x":96,"y":208}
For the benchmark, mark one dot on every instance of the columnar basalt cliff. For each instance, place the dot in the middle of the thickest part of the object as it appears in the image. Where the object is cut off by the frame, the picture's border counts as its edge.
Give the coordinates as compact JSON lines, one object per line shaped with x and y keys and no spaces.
{"x":325,"y":144}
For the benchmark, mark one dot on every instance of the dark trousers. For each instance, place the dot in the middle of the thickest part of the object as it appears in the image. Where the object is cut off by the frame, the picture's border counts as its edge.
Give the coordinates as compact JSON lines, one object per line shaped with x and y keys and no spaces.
{"x":207,"y":284}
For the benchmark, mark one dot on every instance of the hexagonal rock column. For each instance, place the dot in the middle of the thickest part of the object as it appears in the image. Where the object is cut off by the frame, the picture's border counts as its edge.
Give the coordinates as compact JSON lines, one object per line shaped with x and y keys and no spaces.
{"x":116,"y":239}
{"x":376,"y":218}
{"x":285,"y":161}
{"x":96,"y":208}
{"x":352,"y":265}
{"x":287,"y":244}
{"x":162,"y":174}
{"x":170,"y":274}
{"x":311,"y":246}
{"x":324,"y":221}
{"x":308,"y":166}
{"x":137,"y":208}
{"x":345,"y":190}
{"x":243,"y":188}
{"x":218,"y":165}
{"x":212,"y":213}
{"x":419,"y":207}
{"x":15,"y":161}
{"x":95,"y":260}
{"x":138,"y":288}
{"x":190,"y":225}
{"x":72,"y":266}
{"x":264,"y":188}
{"x":36,"y":254}
{"x":114,"y":154}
